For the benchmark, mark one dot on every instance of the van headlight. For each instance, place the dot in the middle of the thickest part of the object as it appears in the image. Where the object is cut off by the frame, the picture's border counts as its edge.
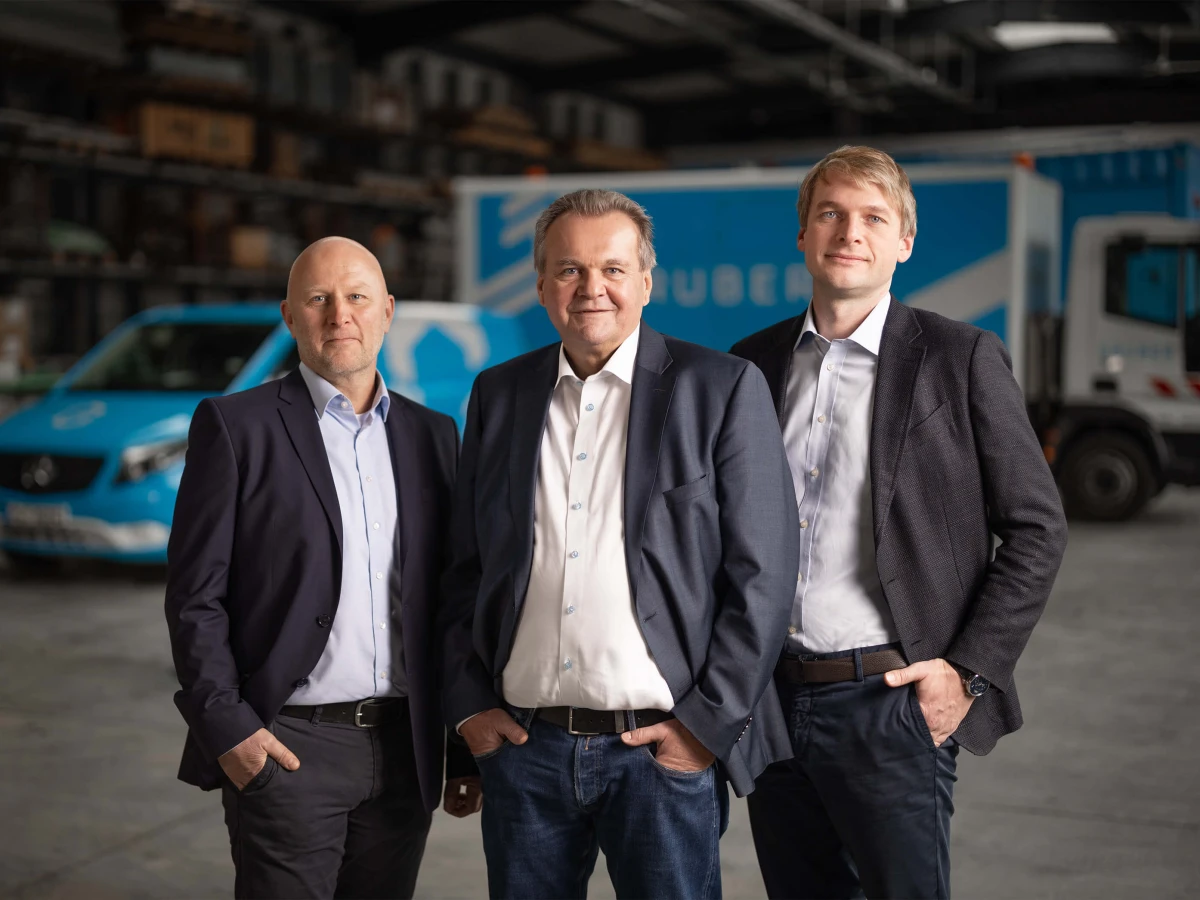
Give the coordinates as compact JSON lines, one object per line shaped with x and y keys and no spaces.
{"x":145,"y":459}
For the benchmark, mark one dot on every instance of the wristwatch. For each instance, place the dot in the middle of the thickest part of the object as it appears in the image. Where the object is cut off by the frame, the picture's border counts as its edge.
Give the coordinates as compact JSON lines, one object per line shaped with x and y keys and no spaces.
{"x":973,"y":683}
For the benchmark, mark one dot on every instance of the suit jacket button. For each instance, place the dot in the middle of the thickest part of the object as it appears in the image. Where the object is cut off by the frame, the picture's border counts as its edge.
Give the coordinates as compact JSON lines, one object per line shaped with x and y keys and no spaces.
{"x":324,"y":621}
{"x":301,"y":683}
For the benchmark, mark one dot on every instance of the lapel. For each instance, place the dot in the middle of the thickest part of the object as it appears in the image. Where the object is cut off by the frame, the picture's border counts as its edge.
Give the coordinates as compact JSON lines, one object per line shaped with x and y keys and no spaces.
{"x":776,"y":363}
{"x":649,"y":401}
{"x":408,"y":460}
{"x":534,"y":388}
{"x":900,"y":354}
{"x":302,"y":427}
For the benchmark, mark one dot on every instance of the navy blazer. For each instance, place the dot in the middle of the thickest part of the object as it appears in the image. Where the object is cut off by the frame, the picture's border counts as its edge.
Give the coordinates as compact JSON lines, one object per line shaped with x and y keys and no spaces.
{"x":954,"y":462}
{"x":254,"y":568}
{"x":711,"y":539}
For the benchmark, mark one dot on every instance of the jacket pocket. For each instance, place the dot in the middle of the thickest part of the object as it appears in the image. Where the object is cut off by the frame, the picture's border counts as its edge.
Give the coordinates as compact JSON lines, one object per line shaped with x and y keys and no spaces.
{"x":687,"y":491}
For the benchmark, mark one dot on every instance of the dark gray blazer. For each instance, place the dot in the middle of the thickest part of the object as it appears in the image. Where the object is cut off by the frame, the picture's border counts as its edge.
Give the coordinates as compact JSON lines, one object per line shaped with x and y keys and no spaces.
{"x":711,"y":539}
{"x":954,"y":461}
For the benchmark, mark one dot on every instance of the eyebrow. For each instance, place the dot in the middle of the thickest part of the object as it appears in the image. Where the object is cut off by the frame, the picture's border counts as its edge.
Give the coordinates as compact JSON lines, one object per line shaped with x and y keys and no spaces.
{"x":874,"y":210}
{"x":614,"y":261}
{"x":357,"y":287}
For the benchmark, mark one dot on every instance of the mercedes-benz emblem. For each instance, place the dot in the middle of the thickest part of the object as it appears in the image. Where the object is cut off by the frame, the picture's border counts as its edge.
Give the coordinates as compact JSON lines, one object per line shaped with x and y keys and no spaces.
{"x":38,"y":472}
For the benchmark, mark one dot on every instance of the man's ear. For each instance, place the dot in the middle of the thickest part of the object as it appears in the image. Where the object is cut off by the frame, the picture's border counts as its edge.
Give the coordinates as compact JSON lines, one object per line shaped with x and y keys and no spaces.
{"x":286,"y":312}
{"x":541,"y":281}
{"x":648,"y":277}
{"x":800,"y":240}
{"x":906,"y":248}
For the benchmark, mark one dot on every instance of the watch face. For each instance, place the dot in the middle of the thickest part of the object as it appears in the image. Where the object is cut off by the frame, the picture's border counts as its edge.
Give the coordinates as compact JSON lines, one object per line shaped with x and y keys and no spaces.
{"x":977,"y":685}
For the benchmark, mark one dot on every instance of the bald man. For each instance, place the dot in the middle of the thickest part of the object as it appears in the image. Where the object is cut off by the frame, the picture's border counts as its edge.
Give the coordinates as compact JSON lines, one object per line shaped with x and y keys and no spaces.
{"x":303,"y":565}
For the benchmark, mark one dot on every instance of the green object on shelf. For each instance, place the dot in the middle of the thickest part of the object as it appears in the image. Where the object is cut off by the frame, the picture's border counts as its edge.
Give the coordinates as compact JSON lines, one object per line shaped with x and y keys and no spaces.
{"x":68,"y":237}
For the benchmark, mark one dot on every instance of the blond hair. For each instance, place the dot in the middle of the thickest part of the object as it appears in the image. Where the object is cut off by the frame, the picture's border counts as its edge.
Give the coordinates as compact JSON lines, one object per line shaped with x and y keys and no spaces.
{"x":593,"y":203}
{"x":864,"y":166}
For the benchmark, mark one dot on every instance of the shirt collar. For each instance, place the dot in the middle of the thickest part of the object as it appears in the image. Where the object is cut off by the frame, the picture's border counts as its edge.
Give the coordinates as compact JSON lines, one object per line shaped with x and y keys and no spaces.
{"x":868,"y":335}
{"x":323,"y":393}
{"x":620,"y":364}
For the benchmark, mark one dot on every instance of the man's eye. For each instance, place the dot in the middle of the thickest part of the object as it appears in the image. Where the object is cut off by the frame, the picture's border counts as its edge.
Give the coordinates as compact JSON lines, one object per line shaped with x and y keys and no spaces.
{"x":828,"y":214}
{"x":570,"y":270}
{"x":613,"y":270}
{"x":319,"y":298}
{"x":874,"y":219}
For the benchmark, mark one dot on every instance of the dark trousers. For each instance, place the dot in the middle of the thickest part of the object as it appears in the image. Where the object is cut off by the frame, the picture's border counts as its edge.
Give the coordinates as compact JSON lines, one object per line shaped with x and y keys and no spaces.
{"x":551,"y":803}
{"x":864,"y":806}
{"x":348,"y":823}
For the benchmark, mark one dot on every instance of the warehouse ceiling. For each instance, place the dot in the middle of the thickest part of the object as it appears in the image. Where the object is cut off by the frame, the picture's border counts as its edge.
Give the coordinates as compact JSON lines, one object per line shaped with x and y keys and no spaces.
{"x":725,"y":71}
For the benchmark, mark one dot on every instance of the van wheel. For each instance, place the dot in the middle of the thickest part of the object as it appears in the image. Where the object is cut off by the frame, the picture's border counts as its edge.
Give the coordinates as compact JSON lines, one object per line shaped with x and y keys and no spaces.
{"x":31,"y":565}
{"x":1107,"y":477}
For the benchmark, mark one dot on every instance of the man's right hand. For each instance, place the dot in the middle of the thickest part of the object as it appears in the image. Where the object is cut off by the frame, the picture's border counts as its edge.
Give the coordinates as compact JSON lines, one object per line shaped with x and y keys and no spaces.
{"x":247,"y":759}
{"x":486,"y":731}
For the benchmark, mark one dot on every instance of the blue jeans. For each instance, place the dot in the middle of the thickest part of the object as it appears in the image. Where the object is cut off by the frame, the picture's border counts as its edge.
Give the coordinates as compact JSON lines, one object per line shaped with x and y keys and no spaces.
{"x":865,"y":805}
{"x":550,"y":804}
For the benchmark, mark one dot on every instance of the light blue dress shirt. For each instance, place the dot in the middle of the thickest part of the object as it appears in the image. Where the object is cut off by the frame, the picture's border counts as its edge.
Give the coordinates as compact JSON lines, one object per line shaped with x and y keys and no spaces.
{"x":362,"y":657}
{"x":839,"y":602}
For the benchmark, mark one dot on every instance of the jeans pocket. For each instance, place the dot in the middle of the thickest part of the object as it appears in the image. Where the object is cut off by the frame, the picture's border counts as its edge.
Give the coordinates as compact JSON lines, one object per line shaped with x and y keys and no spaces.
{"x":260,"y":780}
{"x":675,"y":773}
{"x":919,"y":722}
{"x":480,"y":757}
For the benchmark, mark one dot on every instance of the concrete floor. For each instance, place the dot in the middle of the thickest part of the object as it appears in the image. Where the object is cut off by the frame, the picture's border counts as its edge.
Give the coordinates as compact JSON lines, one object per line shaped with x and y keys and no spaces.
{"x":1097,"y":797}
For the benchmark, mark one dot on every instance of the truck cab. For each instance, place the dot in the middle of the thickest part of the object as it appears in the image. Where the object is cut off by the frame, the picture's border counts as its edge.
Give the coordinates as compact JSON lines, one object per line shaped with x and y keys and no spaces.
{"x":1129,"y":420}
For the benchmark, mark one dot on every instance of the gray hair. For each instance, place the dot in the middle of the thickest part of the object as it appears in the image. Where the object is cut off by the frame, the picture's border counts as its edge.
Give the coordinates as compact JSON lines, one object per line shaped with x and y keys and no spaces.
{"x":593,"y":203}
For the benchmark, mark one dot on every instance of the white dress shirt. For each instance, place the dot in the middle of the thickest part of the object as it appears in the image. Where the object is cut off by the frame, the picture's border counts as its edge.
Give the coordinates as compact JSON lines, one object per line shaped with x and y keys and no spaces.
{"x":839,"y":603}
{"x":578,"y":642}
{"x":362,"y":657}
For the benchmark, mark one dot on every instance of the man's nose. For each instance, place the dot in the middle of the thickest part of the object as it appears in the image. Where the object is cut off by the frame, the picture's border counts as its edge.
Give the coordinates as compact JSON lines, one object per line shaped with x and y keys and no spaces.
{"x":338,"y":310}
{"x":590,"y":284}
{"x":851,"y":230}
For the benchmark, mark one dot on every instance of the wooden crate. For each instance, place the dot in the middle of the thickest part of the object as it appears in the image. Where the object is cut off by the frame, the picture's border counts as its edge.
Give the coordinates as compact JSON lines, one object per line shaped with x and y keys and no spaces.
{"x":198,"y":135}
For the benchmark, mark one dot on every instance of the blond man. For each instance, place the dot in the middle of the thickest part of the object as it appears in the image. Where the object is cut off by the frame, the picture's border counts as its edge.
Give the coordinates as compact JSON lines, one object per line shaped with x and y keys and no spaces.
{"x":910,"y":447}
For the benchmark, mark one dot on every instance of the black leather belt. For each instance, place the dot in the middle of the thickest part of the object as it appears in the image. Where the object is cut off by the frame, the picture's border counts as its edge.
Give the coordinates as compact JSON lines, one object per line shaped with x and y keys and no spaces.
{"x":363,"y":713}
{"x":827,"y":671}
{"x":578,"y":720}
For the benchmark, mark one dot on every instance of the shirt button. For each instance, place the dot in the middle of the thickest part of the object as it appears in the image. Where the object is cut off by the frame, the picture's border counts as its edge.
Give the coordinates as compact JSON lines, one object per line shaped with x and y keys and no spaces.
{"x":368,"y":478}
{"x":574,"y":554}
{"x":345,"y":405}
{"x":820,"y":418}
{"x":383,"y":626}
{"x":791,"y":629}
{"x":379,"y":576}
{"x":570,"y":610}
{"x":590,"y":407}
{"x":804,"y":523}
{"x":567,"y":663}
{"x":582,"y":456}
{"x":383,"y":674}
{"x":814,"y":472}
{"x":830,"y":367}
{"x":375,"y":526}
{"x":799,"y":576}
{"x":576,"y":506}
{"x":578,"y":384}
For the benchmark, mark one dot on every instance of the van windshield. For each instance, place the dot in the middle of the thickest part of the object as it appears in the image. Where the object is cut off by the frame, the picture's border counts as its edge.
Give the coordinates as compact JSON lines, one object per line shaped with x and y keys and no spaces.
{"x":174,"y":356}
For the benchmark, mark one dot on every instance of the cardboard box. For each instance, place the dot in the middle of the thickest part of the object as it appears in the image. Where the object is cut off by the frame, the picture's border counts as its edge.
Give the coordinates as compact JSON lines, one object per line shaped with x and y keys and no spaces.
{"x":250,"y":246}
{"x":198,"y":135}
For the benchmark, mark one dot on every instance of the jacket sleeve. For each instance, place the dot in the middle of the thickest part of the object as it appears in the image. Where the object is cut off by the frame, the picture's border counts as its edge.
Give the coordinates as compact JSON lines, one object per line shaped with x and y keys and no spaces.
{"x":1024,"y":511}
{"x":198,"y":559}
{"x":467,"y":687}
{"x":760,"y":556}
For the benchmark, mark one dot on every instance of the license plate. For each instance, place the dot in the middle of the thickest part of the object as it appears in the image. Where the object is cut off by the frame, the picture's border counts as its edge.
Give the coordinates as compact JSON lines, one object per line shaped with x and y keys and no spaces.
{"x":37,"y":515}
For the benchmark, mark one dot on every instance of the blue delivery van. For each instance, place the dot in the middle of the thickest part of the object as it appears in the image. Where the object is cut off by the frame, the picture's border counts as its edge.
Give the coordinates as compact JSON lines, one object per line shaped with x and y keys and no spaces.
{"x":93,"y":467}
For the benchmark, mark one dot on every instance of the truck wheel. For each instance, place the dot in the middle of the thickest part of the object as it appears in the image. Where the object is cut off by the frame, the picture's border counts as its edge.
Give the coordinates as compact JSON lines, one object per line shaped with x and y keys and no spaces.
{"x":1107,"y":477}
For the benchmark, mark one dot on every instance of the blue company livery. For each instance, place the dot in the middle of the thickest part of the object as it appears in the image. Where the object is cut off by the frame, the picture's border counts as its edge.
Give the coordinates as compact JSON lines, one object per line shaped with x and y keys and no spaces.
{"x":92,"y":469}
{"x":987,"y":246}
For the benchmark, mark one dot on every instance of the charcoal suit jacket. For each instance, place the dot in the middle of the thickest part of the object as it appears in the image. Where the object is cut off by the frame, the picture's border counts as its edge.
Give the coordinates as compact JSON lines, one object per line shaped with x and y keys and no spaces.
{"x":954,"y":464}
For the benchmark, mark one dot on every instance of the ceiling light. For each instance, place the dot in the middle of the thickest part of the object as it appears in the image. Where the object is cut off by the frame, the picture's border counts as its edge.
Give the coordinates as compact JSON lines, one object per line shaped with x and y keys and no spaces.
{"x":1024,"y":35}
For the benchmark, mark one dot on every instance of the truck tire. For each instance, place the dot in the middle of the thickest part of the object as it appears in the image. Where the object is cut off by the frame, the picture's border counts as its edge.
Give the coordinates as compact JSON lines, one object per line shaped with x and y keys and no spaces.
{"x":1107,"y":477}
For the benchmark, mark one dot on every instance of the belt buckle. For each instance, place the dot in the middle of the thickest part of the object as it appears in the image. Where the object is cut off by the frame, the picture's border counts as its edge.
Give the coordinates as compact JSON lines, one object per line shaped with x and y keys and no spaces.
{"x":358,"y":712}
{"x":571,"y":724}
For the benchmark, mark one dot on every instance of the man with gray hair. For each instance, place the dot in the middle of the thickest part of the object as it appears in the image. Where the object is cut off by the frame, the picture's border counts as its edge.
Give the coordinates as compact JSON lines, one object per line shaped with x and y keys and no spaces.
{"x":623,"y":556}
